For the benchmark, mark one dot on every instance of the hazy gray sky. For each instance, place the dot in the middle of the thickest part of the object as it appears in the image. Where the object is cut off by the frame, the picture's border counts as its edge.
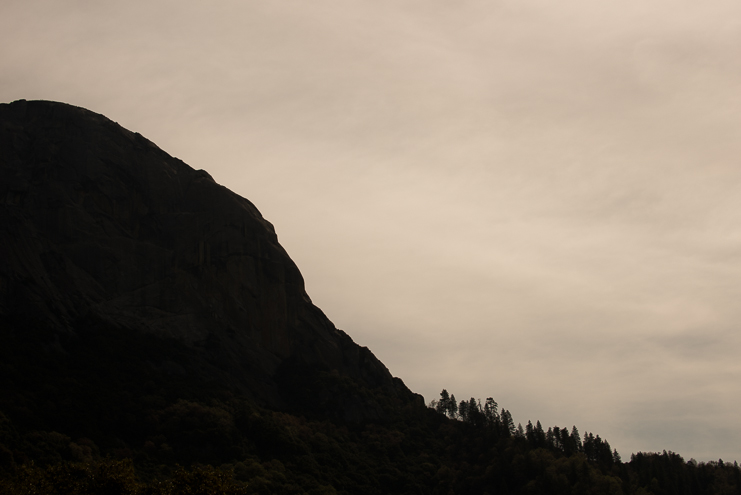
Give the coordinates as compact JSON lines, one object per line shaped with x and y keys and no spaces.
{"x":532,"y":200}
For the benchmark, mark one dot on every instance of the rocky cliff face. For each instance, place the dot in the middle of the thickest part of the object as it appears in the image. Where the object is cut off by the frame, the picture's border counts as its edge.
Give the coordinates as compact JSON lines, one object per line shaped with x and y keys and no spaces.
{"x":98,"y":226}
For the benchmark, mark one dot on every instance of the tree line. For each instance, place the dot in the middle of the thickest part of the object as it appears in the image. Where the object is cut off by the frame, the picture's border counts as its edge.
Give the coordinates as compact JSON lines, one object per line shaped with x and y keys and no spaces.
{"x":487,"y":415}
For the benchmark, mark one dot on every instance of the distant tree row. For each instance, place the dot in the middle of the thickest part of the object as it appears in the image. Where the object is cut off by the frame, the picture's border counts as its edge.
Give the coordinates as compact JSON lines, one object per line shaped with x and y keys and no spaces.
{"x":473,"y":412}
{"x":559,"y":460}
{"x":555,"y":438}
{"x":593,"y":447}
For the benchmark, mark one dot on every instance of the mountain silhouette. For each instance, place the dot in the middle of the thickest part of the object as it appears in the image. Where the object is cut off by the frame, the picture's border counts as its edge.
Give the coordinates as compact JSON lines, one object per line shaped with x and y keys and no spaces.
{"x":104,"y":231}
{"x":156,"y":338}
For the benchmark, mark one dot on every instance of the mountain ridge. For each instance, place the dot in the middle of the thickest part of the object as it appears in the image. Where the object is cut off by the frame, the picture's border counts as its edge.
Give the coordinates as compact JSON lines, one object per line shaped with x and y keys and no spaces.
{"x":103,"y":226}
{"x":149,"y":319}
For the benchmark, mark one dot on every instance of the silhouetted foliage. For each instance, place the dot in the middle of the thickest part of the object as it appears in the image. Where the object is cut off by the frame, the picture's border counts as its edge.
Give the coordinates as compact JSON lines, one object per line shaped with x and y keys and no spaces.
{"x":89,"y":421}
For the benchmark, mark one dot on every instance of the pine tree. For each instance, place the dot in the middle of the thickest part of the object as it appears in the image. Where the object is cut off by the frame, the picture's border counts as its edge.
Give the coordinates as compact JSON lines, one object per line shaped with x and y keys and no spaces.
{"x":442,"y":404}
{"x":539,"y":435}
{"x":530,"y":432}
{"x":452,"y":407}
{"x":463,"y":410}
{"x":508,"y":425}
{"x":520,"y":433}
{"x":549,"y":438}
{"x":490,"y":411}
{"x":576,"y":439}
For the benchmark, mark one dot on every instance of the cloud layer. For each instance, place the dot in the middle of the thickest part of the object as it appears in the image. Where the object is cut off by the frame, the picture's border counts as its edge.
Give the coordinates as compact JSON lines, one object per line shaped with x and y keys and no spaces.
{"x":529,"y":200}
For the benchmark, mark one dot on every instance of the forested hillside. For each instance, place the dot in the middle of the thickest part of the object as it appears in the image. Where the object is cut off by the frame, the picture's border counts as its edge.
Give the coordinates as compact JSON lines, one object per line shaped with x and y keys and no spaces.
{"x":136,"y":440}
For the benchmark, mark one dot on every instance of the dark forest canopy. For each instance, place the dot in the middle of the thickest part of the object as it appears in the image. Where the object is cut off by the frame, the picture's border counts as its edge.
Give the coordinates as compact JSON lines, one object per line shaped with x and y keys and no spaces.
{"x":65,"y":425}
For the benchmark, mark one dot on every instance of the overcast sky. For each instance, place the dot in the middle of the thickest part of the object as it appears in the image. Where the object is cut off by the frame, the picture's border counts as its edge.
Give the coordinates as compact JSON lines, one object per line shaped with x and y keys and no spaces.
{"x":532,"y":200}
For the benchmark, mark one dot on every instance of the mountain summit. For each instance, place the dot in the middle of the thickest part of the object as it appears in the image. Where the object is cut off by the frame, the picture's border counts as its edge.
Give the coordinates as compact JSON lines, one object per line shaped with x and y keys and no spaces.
{"x":103,"y":233}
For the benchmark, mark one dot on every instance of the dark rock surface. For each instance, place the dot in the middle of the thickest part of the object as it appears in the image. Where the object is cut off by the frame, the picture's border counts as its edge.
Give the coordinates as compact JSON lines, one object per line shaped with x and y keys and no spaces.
{"x":98,"y":226}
